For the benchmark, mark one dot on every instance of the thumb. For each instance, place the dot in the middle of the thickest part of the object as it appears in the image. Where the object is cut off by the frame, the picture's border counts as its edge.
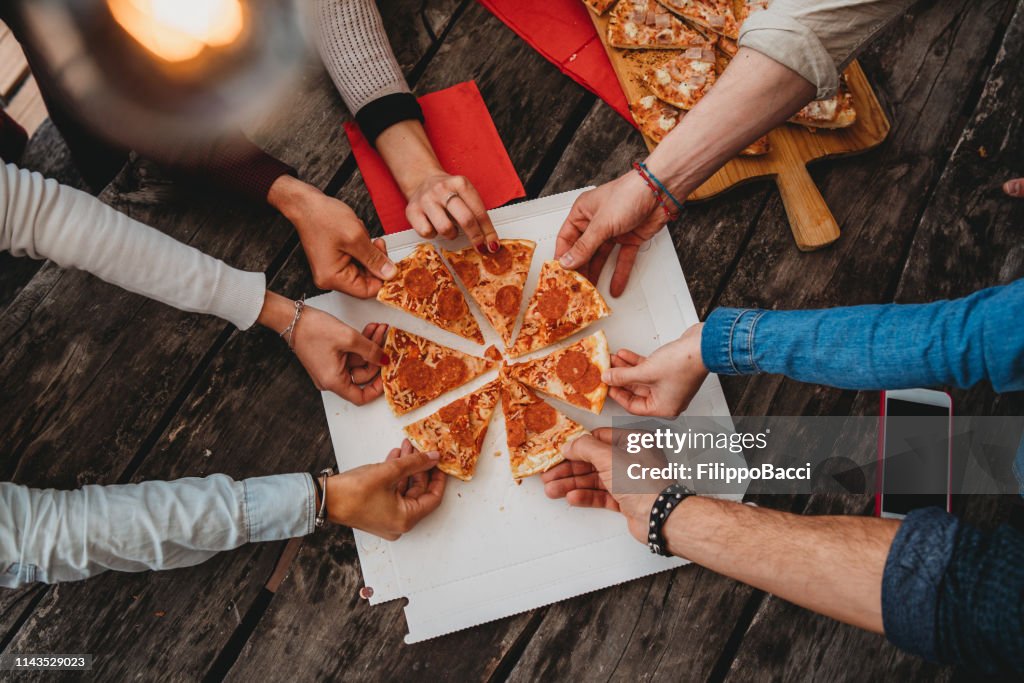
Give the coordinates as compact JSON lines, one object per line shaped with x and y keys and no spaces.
{"x":414,"y":463}
{"x":590,"y":449}
{"x":1014,"y":188}
{"x":373,"y":258}
{"x":641,"y":373}
{"x":583,"y":249}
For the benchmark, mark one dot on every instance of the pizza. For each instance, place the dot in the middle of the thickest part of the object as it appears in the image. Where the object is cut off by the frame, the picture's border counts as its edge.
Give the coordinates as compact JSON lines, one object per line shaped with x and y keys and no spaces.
{"x":684,"y":79}
{"x":564,"y":303}
{"x":744,"y":8}
{"x":714,"y":15}
{"x":421,"y":370}
{"x":599,"y":6}
{"x":425,"y":288}
{"x":655,"y":118}
{"x":644,"y":24}
{"x":496,"y":281}
{"x":572,"y":374}
{"x":535,"y":431}
{"x":835,"y":112}
{"x":758,"y":147}
{"x":457,"y":431}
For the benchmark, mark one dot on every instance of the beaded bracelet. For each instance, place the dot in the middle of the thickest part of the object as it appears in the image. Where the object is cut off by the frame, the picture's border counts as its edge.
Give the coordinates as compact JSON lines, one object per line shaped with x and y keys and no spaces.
{"x":661,"y":185}
{"x":667,"y":501}
{"x":669,"y":214}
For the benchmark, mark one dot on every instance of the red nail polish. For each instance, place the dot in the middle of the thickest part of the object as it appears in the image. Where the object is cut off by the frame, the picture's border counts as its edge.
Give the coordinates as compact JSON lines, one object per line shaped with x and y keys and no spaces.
{"x":493,"y":247}
{"x":384,"y":359}
{"x":481,"y":248}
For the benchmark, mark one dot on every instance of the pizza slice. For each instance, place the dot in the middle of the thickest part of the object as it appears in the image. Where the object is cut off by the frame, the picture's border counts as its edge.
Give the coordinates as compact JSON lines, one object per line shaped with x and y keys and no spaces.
{"x":655,"y":118}
{"x":758,"y":147}
{"x":833,"y":113}
{"x":535,"y":431}
{"x":599,"y":6}
{"x":644,"y":24}
{"x":496,"y":281}
{"x":684,"y":79}
{"x":425,"y":288}
{"x":744,"y":8}
{"x":457,"y":431}
{"x":564,"y":303}
{"x":421,"y":370}
{"x":714,"y":15}
{"x":572,"y":374}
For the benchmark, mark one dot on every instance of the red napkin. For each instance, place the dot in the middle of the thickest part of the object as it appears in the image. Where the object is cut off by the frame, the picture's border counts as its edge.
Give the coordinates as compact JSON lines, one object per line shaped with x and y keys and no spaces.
{"x":466,"y":142}
{"x":561,"y":30}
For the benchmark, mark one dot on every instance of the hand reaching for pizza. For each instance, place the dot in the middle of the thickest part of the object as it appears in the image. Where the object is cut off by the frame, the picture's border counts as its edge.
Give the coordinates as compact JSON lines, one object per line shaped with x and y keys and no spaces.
{"x":584,"y":479}
{"x":443,"y":203}
{"x":338,"y":358}
{"x":624,"y":212}
{"x":662,"y":384}
{"x":389,"y":498}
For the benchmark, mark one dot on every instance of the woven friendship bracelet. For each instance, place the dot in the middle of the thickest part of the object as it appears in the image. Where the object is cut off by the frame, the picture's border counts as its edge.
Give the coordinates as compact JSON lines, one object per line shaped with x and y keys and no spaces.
{"x":666,"y":503}
{"x":669,"y":214}
{"x":661,"y":185}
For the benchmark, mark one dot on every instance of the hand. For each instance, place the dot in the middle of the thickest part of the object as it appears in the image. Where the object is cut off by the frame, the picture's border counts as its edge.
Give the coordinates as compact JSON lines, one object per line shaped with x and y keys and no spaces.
{"x":1014,"y":188}
{"x":389,"y":498}
{"x":430,"y":214}
{"x":584,"y":479}
{"x":341,"y":255}
{"x":624,"y":212}
{"x":662,"y":384}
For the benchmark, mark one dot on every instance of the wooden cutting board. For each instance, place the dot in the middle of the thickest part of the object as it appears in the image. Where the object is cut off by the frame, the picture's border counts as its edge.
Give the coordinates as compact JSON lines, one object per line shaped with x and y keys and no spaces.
{"x":792,"y":147}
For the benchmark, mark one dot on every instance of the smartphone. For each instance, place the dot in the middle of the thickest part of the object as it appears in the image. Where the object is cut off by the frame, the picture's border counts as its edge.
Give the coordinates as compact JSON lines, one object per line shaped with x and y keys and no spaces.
{"x":915,"y":452}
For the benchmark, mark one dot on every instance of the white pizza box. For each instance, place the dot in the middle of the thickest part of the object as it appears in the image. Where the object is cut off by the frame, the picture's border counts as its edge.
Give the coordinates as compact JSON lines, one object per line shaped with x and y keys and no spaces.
{"x":494,"y":549}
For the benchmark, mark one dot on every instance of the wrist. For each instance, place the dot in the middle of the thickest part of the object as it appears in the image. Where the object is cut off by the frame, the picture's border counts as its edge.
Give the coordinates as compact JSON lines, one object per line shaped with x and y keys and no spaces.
{"x":292,"y":197}
{"x":409,"y":156}
{"x":277,"y":312}
{"x":337,"y":499}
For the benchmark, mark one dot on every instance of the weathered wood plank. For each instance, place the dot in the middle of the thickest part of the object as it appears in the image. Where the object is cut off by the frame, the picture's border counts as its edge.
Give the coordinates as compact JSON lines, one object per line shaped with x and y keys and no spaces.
{"x":13,"y":66}
{"x":140,"y":357}
{"x":26,"y":106}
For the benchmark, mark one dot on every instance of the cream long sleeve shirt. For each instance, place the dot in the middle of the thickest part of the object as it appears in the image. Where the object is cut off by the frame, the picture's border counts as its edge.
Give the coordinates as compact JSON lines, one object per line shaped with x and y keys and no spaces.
{"x":818,"y":39}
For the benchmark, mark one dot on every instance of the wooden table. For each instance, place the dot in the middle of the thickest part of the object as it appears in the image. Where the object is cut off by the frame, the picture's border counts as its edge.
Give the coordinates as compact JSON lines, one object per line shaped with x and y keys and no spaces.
{"x":100,"y":386}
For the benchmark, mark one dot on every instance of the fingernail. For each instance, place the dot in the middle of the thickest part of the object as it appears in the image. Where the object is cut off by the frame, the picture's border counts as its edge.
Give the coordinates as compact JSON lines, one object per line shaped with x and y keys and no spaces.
{"x":566,"y":260}
{"x":385,"y":359}
{"x":493,"y":247}
{"x":480,"y":247}
{"x":389,"y":270}
{"x":433,"y":455}
{"x":606,"y":376}
{"x":1014,"y":187}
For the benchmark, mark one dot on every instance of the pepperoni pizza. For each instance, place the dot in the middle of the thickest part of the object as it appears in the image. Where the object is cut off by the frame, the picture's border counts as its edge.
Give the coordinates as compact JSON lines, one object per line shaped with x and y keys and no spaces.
{"x":421,"y":370}
{"x":564,"y":303}
{"x":496,"y":281}
{"x":457,"y":431}
{"x":425,"y":288}
{"x":572,"y":374}
{"x":535,"y":431}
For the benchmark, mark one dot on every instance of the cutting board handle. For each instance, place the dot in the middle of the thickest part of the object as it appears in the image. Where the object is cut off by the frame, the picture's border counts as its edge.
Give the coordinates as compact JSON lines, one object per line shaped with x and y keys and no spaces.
{"x":810,"y":219}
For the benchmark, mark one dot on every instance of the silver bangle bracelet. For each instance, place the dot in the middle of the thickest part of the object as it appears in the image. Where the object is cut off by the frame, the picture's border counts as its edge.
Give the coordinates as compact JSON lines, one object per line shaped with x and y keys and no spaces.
{"x":321,"y":515}
{"x":289,"y":331}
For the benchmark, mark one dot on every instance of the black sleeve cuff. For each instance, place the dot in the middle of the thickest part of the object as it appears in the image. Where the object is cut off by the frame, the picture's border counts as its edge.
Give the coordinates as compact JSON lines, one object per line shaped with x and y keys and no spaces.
{"x":377,"y":116}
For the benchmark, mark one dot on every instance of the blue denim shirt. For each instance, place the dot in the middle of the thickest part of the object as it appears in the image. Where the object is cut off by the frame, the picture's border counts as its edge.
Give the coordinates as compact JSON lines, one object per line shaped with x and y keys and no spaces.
{"x":51,"y":536}
{"x":949,"y":593}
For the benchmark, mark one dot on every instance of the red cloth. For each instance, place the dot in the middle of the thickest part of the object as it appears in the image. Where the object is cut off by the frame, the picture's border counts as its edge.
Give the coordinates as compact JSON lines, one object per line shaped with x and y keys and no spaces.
{"x":562,"y":31}
{"x":466,"y":142}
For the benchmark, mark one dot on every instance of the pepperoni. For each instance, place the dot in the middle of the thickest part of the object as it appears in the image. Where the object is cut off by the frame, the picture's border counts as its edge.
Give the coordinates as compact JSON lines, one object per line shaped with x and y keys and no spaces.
{"x":507,"y":300}
{"x":492,"y":353}
{"x":516,"y":433}
{"x":414,"y":374}
{"x":590,"y":380}
{"x":468,"y":272}
{"x":451,"y":305}
{"x":540,"y":417}
{"x":420,"y":282}
{"x":498,"y":263}
{"x":452,"y":411}
{"x":452,"y":372}
{"x":571,"y":366}
{"x":553,"y":304}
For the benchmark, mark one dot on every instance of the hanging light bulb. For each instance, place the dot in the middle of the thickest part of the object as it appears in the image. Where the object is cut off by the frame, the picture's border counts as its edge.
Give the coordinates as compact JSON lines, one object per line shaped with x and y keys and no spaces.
{"x":178,"y":30}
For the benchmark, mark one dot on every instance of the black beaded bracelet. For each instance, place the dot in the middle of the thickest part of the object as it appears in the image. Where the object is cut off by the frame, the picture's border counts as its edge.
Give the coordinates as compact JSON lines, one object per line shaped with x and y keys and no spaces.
{"x":666,"y":503}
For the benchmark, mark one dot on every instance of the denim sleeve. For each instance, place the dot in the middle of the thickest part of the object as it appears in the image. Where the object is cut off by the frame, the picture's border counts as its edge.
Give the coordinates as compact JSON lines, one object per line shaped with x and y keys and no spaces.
{"x":952,"y":594}
{"x":892,"y":346}
{"x":51,"y":536}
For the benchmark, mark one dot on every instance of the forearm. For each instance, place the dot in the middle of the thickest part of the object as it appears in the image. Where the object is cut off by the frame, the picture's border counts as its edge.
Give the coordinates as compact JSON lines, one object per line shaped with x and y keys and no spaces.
{"x":831,"y":565}
{"x":41,"y":219}
{"x":753,"y":96}
{"x":52,"y":536}
{"x":408,"y":154}
{"x":958,"y":342}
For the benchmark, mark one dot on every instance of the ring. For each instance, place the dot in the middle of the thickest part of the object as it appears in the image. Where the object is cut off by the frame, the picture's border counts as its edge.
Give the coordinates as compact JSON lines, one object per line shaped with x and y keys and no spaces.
{"x":451,"y":196}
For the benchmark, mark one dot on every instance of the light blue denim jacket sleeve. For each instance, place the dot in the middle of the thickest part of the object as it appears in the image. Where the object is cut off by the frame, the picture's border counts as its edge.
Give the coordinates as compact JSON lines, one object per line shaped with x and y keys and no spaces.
{"x":51,"y":536}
